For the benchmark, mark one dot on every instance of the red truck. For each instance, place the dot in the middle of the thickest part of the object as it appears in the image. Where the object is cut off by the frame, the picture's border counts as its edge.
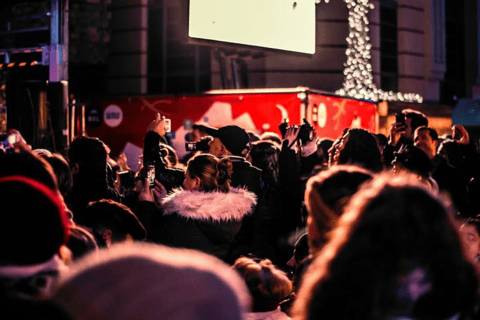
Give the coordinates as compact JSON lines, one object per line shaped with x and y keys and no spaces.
{"x":122,"y":122}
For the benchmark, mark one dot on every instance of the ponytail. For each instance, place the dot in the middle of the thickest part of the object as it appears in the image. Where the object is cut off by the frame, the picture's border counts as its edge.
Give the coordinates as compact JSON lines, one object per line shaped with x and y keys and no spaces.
{"x":215,"y":174}
{"x":224,"y":174}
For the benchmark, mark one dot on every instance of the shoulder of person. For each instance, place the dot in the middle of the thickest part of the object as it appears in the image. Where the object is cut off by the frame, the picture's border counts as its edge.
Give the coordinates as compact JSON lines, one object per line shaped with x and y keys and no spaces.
{"x":241,"y":162}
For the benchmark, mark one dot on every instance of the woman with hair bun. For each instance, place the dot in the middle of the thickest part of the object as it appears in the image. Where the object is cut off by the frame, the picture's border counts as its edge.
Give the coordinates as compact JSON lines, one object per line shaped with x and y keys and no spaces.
{"x":206,"y":214}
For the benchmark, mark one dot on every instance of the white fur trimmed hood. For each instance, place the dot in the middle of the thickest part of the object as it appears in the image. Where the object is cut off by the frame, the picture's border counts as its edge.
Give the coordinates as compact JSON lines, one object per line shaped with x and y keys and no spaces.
{"x":210,"y":206}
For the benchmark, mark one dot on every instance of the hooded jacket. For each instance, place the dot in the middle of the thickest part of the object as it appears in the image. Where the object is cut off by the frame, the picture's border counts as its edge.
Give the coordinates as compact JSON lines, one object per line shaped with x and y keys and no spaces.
{"x":246,"y":176}
{"x":205,"y":221}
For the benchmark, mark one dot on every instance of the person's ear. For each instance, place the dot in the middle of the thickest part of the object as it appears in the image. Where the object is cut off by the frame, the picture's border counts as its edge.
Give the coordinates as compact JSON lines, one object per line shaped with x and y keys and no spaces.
{"x":107,"y":236}
{"x":224,"y":150}
{"x":197,"y":183}
{"x":435,"y":143}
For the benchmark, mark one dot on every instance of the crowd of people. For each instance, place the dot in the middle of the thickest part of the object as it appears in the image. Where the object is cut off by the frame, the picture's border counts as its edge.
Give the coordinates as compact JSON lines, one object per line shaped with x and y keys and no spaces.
{"x":245,"y":226}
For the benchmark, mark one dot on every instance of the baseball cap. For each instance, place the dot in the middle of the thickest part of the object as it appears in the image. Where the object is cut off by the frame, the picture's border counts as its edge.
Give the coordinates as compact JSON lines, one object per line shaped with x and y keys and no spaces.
{"x":234,"y":138}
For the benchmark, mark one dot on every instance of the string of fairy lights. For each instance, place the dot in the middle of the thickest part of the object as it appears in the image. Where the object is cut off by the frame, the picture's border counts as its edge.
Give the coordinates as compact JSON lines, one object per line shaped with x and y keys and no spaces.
{"x":358,"y":82}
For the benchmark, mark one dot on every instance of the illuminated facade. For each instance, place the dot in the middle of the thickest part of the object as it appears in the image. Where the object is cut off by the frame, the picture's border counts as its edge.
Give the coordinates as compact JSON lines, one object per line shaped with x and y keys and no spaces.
{"x":425,"y":48}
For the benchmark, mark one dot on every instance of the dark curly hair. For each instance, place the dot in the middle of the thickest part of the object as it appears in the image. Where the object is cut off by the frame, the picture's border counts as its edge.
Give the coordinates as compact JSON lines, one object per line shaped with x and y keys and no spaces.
{"x":361,"y":148}
{"x":264,"y":156}
{"x":90,"y":154}
{"x":392,"y":227}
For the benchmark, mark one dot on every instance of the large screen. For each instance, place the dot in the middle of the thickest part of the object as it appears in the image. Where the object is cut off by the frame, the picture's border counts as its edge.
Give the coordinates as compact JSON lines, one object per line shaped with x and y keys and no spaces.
{"x":286,"y":25}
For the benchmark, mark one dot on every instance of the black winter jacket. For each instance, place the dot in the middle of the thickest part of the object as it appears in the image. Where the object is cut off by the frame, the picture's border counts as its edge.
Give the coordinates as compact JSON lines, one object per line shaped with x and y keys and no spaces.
{"x":205,"y":221}
{"x":245,"y":175}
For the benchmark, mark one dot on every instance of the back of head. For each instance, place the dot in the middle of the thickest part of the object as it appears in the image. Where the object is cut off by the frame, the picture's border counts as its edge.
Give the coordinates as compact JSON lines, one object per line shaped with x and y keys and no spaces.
{"x":418,"y":118}
{"x":361,"y":149}
{"x":271,"y":136}
{"x":80,"y":242}
{"x":145,"y":281}
{"x":267,"y":284}
{"x":108,"y":214}
{"x":415,"y":160}
{"x":264,"y":155}
{"x":34,"y":223}
{"x":393,"y":229}
{"x":62,"y":172}
{"x":28,"y":165}
{"x":454,"y":153}
{"x":381,"y":139}
{"x":90,"y":154}
{"x":325,"y":144}
{"x":214,"y":173}
{"x":326,"y":196}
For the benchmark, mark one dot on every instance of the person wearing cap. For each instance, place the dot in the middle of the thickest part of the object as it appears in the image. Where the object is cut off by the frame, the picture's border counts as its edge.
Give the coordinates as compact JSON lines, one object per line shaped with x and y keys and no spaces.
{"x":112,"y":222}
{"x":233,"y":142}
{"x":33,"y":231}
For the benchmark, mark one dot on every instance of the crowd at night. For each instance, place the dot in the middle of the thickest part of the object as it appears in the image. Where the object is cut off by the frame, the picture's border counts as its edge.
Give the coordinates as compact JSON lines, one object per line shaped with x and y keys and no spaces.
{"x":245,"y":226}
{"x":240,"y":160}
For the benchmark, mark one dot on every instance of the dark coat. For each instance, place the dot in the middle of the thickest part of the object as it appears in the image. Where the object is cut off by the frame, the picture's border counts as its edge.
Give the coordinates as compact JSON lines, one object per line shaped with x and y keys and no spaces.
{"x":450,"y":179}
{"x":205,"y":221}
{"x":170,"y":178}
{"x":245,"y":175}
{"x":86,"y":189}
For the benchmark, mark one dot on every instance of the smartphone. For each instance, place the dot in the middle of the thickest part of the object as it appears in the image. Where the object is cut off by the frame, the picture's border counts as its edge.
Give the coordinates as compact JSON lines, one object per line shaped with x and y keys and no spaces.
{"x":9,"y":140}
{"x":124,"y":177}
{"x":12,"y":138}
{"x":400,"y":118}
{"x":168,"y":125}
{"x":151,"y":175}
{"x":190,"y":146}
{"x":283,"y":127}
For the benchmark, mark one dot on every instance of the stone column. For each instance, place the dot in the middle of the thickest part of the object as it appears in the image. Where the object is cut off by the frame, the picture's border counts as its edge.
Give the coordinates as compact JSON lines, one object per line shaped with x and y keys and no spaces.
{"x":127,"y":62}
{"x":411,"y":56}
{"x":476,"y":88}
{"x":435,"y":48}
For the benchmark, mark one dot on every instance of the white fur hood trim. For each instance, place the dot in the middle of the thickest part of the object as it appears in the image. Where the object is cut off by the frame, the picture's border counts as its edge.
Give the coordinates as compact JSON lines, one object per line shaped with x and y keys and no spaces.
{"x":210,"y":206}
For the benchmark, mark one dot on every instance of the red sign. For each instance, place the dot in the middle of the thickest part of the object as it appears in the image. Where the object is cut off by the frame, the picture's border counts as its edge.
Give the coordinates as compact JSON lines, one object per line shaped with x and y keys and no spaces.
{"x":125,"y":120}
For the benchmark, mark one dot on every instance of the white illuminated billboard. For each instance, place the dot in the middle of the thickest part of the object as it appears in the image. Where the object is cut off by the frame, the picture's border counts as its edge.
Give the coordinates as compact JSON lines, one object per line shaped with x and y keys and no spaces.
{"x":276,"y":24}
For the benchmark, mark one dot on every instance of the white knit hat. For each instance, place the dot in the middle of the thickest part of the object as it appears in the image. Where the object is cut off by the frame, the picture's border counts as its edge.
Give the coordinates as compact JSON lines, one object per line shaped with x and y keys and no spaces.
{"x":146,"y":281}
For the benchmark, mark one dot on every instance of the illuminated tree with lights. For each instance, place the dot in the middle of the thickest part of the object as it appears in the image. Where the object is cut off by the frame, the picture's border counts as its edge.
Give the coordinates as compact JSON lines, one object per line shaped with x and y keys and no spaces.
{"x":358,"y":82}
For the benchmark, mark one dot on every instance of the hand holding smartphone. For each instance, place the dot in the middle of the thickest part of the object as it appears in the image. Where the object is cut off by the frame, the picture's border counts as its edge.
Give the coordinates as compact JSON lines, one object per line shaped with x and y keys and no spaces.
{"x":151,"y":175}
{"x":400,"y":119}
{"x":167,"y":125}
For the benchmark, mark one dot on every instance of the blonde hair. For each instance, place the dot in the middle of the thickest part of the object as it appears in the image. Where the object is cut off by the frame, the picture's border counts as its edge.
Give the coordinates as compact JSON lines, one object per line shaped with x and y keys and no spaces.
{"x":214,"y":174}
{"x":264,"y":281}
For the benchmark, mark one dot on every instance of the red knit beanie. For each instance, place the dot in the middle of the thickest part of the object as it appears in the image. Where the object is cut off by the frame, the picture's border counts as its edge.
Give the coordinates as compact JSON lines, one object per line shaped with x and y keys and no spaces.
{"x":34,"y":222}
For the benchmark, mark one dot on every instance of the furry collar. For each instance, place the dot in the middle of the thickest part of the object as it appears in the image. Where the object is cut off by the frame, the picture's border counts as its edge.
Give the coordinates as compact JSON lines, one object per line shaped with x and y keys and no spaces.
{"x":210,"y":206}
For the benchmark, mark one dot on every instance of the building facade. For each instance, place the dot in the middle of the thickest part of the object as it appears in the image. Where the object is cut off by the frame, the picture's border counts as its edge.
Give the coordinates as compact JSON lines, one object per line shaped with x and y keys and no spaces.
{"x":428,"y":47}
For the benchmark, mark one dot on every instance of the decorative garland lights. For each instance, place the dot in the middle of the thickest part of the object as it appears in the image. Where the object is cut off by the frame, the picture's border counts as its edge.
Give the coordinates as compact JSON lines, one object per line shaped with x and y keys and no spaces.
{"x":358,"y":82}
